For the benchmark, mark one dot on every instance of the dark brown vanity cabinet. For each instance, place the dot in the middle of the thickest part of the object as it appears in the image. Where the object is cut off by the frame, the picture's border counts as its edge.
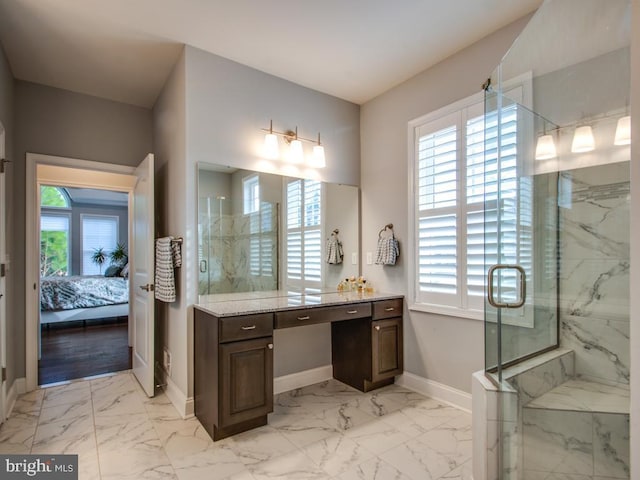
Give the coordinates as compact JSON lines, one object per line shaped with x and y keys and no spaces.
{"x":233,"y":372}
{"x":233,"y":365}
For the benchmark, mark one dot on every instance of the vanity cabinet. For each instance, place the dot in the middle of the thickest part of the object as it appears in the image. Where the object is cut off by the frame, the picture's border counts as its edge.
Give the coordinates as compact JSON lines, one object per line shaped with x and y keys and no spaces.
{"x":233,"y":372}
{"x":233,"y":364}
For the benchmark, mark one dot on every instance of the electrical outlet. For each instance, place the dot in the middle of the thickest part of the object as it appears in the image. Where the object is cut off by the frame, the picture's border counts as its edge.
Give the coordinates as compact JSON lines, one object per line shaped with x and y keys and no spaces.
{"x":166,"y":361}
{"x":354,"y":258}
{"x":369,"y":258}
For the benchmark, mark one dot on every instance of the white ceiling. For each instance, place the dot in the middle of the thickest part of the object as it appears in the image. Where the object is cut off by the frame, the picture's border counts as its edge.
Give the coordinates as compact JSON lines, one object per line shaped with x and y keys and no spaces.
{"x":124,"y":50}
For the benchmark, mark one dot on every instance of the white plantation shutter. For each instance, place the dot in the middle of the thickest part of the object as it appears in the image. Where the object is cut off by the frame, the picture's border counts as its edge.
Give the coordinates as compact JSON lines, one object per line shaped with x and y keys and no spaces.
{"x":457,"y":181}
{"x":261,"y":241}
{"x":304,"y":234}
{"x":98,"y":231}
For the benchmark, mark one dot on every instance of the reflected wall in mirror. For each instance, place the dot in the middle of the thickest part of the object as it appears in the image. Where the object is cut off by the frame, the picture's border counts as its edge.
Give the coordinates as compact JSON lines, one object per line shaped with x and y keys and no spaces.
{"x":263,"y":232}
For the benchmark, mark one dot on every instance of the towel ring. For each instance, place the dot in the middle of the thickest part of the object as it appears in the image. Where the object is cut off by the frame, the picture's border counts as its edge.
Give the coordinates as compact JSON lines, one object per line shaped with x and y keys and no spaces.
{"x":388,"y":226}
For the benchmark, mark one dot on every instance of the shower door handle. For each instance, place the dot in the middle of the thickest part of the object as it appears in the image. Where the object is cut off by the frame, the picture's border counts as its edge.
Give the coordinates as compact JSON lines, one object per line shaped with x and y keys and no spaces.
{"x":522,"y":291}
{"x":203,"y":266}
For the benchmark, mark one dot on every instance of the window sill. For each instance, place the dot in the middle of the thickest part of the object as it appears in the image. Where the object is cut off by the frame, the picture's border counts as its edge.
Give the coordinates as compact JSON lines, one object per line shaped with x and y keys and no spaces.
{"x":448,"y":311}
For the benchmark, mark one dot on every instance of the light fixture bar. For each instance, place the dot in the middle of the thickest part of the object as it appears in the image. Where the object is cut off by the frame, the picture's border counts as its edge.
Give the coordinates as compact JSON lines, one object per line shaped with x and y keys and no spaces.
{"x":290,"y":135}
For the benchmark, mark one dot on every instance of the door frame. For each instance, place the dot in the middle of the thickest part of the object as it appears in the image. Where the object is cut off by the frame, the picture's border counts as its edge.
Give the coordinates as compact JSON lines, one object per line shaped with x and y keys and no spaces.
{"x":97,"y":176}
{"x":3,"y":259}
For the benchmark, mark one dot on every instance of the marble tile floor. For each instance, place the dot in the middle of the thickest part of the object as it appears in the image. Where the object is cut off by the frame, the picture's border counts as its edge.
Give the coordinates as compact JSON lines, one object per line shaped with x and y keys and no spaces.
{"x":323,"y":431}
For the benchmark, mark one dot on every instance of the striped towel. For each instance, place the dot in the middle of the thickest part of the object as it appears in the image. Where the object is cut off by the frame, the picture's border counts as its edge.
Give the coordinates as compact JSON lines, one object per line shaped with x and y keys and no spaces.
{"x":167,"y":259}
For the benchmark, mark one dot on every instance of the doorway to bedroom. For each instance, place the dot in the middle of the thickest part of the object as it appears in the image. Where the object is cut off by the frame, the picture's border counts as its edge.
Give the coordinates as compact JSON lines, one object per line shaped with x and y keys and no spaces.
{"x":84,"y":291}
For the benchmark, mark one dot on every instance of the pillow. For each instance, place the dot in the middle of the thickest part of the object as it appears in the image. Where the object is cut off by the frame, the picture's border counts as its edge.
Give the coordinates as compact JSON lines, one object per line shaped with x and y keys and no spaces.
{"x":125,"y":271}
{"x":112,"y":271}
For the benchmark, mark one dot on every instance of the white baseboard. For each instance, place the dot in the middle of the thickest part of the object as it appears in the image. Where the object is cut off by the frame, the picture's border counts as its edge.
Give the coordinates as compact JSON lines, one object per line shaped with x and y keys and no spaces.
{"x":21,"y":385}
{"x":180,"y":401}
{"x":436,"y":390}
{"x":302,"y":379}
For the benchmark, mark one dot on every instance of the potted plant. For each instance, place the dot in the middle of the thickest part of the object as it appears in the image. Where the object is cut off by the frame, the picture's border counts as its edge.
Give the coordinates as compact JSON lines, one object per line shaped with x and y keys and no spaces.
{"x":99,"y":256}
{"x":119,"y":255}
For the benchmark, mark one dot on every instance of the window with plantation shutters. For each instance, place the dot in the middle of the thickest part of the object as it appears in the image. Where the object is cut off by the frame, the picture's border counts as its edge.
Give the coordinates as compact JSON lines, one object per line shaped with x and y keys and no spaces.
{"x":303,"y":264}
{"x":455,"y":165}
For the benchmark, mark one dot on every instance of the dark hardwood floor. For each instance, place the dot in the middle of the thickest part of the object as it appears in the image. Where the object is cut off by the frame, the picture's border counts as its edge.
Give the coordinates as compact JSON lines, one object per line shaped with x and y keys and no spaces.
{"x":82,"y":349}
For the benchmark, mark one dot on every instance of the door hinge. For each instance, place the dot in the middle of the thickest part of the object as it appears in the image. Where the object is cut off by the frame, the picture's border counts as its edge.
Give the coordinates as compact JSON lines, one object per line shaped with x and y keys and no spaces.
{"x":3,"y":270}
{"x":2,"y":162}
{"x":4,"y":373}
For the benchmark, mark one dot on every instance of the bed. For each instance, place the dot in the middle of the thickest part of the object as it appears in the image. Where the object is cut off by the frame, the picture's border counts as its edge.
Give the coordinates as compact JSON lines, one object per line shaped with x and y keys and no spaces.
{"x":73,"y":298}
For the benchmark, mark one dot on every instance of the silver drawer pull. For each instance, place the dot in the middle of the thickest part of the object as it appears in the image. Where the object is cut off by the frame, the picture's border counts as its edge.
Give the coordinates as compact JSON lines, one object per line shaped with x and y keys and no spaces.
{"x":389,"y":309}
{"x":270,"y":346}
{"x":377,"y":327}
{"x":248,"y":327}
{"x":304,"y":318}
{"x":352,"y":311}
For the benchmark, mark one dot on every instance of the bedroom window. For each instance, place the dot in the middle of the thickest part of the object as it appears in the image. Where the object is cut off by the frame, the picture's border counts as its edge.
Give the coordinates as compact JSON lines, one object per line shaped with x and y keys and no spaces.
{"x":55,"y":225}
{"x":98,"y":231}
{"x":304,"y":234}
{"x":54,"y":244}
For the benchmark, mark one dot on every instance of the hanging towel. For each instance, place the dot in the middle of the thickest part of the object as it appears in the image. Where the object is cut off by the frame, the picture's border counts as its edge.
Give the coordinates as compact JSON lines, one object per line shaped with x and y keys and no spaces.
{"x":334,"y":250}
{"x":166,"y":261}
{"x":388,"y":250}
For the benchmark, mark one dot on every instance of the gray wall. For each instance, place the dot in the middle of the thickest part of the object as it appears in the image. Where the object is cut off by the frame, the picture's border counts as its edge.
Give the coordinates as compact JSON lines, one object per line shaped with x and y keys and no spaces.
{"x":219,"y":122}
{"x":440,"y":348}
{"x":76,"y":230}
{"x":14,"y":353}
{"x":58,"y":122}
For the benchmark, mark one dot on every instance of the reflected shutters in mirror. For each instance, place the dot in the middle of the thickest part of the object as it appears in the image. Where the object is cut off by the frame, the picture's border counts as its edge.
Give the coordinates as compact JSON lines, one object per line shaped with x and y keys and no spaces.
{"x":304,"y":235}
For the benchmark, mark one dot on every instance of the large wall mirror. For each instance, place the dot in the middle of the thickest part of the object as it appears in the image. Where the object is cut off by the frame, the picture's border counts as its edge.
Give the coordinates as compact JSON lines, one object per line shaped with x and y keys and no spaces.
{"x":262,"y":232}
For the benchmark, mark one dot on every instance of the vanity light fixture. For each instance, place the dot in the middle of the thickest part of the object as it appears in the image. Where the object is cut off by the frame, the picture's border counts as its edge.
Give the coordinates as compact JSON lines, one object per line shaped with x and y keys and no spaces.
{"x":296,"y":151}
{"x":623,"y":131}
{"x":583,"y":140}
{"x":546,"y":147}
{"x":271,"y":150}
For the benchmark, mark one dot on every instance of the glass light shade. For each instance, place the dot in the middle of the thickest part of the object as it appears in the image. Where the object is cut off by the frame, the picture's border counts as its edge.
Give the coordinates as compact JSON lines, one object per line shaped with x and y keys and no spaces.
{"x":545,"y":148}
{"x":317,"y":160}
{"x":623,"y":131}
{"x":296,"y":152}
{"x":271,"y":146}
{"x":583,"y":140}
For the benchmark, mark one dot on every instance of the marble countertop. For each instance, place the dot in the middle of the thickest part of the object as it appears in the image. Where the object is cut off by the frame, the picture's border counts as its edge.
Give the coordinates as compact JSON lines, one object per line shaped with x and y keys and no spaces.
{"x":226,"y":305}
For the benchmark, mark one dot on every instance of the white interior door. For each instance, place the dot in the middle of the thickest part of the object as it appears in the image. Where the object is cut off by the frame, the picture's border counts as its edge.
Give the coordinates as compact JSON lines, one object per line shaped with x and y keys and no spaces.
{"x":141,"y":276}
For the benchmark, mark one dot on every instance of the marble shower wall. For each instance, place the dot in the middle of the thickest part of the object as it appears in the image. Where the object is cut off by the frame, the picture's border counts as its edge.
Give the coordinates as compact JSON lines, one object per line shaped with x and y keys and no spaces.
{"x":594,"y":270}
{"x":241,"y":252}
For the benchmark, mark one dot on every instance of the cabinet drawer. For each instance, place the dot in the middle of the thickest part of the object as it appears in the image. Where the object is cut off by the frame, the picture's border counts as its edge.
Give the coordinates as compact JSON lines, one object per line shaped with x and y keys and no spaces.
{"x":245,"y":327}
{"x":387,"y":308}
{"x":309,"y":316}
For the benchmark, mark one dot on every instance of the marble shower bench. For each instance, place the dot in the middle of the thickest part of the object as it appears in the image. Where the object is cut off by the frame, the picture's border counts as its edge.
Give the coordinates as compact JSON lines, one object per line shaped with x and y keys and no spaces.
{"x":554,"y":424}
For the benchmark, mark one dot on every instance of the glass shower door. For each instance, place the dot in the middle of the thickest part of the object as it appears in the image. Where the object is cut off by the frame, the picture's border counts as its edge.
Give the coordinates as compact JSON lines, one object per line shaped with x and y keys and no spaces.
{"x":520,"y":236}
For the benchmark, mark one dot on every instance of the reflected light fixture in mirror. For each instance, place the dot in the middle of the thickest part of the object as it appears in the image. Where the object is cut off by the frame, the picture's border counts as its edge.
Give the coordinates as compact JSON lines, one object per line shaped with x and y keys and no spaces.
{"x":623,"y":131}
{"x":545,"y":148}
{"x":583,"y":140}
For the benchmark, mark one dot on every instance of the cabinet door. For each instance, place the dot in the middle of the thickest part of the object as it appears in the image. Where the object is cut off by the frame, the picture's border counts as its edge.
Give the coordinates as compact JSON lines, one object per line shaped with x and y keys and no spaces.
{"x":246,"y":380}
{"x":386,"y":346}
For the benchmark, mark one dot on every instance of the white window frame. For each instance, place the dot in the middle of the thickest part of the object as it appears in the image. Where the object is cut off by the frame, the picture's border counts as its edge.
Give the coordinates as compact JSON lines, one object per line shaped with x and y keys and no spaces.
{"x":95,"y":215}
{"x":250,"y":201}
{"x":522,"y":82}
